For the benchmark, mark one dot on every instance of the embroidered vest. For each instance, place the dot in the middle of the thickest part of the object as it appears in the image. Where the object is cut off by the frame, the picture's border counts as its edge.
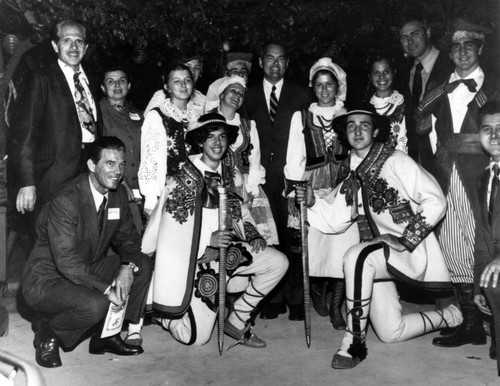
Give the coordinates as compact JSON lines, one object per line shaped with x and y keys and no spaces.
{"x":176,"y":146}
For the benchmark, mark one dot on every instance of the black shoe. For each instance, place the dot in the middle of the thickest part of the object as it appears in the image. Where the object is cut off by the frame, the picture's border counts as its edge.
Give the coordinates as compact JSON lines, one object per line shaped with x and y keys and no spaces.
{"x":47,"y":348}
{"x":319,"y":290}
{"x":296,"y":312}
{"x":114,"y":344}
{"x":245,"y":336}
{"x":493,"y":351}
{"x":272,"y":310}
{"x":448,"y":331}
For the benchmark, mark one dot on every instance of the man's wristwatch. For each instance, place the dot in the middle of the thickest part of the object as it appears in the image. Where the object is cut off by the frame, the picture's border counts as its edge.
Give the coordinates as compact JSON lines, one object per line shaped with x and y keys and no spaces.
{"x":132,"y":266}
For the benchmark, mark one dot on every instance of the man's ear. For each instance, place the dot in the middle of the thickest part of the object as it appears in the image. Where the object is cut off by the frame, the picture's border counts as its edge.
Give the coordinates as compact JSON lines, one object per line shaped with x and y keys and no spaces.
{"x":428,"y":32}
{"x":91,"y":165}
{"x":103,"y":89}
{"x":260,"y":63}
{"x":375,"y":133}
{"x":54,"y":46}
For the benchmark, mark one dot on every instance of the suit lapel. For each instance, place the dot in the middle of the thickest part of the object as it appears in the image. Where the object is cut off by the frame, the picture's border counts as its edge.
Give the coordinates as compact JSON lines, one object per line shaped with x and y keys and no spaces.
{"x":89,"y":213}
{"x":482,"y":192}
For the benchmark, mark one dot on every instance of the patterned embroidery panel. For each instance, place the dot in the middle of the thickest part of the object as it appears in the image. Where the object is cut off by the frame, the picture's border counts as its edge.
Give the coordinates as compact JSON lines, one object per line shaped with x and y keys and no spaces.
{"x":416,"y":231}
{"x":250,"y":232}
{"x":382,"y":197}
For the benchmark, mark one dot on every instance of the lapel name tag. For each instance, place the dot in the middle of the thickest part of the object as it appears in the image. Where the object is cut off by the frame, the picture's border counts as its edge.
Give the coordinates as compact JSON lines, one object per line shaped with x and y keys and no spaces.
{"x":134,"y":116}
{"x":113,"y":213}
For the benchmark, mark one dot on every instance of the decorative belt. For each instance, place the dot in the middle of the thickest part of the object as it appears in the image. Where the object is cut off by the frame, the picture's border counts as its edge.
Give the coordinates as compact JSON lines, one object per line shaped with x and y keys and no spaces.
{"x":460,"y":144}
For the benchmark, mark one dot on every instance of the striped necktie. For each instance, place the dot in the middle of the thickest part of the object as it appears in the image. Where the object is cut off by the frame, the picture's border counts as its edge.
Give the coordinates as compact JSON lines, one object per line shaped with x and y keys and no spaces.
{"x":416,"y":90}
{"x":273,"y":105}
{"x":83,"y":106}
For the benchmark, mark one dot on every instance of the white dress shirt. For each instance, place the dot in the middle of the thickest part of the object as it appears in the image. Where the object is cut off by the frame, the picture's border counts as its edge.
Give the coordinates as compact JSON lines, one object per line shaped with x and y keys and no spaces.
{"x":268,"y":88}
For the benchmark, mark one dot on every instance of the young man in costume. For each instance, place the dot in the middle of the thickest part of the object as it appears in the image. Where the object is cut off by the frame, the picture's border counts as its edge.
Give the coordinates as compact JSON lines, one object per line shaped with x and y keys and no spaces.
{"x":395,"y":203}
{"x":449,"y":114}
{"x":183,"y":230}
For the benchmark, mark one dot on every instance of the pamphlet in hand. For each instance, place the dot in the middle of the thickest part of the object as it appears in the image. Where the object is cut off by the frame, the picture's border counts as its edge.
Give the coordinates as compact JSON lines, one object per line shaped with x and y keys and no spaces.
{"x":114,"y":319}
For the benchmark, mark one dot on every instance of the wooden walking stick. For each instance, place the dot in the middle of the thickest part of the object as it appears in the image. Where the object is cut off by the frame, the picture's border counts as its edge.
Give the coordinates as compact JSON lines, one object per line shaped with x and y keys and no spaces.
{"x":289,"y":185}
{"x":222,"y":265}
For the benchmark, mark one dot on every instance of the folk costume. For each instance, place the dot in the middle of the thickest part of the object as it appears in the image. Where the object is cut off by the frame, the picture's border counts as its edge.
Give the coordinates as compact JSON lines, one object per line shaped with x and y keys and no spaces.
{"x":313,"y":149}
{"x":393,"y":107}
{"x":244,"y":155}
{"x":386,"y":193}
{"x":163,"y":149}
{"x":196,"y":102}
{"x":186,"y":269}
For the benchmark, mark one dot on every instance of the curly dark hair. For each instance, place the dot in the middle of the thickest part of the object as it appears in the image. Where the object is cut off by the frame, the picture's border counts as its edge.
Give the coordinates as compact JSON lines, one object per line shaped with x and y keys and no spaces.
{"x":197,"y":137}
{"x":381,"y":123}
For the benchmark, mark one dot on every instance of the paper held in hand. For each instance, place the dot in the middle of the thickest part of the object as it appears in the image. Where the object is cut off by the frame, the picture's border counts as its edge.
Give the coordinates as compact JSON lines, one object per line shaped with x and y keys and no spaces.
{"x":114,"y":320}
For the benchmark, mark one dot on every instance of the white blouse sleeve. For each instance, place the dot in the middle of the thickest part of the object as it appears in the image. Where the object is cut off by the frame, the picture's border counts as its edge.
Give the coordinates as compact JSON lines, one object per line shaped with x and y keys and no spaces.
{"x":331,"y":214}
{"x":296,"y":151}
{"x":153,"y":167}
{"x":257,"y":173}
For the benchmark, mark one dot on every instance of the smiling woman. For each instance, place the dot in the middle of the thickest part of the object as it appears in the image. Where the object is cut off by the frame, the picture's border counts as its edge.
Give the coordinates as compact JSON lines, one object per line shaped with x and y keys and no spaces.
{"x":163,"y":154}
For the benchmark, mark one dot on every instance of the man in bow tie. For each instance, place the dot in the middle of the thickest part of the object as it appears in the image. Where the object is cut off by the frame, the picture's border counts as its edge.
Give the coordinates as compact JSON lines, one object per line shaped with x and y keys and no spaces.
{"x":449,"y":114}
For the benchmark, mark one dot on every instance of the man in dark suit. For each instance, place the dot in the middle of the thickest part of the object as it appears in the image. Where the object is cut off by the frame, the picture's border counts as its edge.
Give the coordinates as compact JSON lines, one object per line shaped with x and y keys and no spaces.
{"x":487,"y":252}
{"x":68,"y":276}
{"x":55,"y":120}
{"x":426,"y":68}
{"x":271,"y":105}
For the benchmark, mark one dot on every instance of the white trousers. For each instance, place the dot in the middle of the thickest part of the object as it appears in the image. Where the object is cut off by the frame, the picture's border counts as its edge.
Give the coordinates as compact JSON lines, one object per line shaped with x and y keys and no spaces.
{"x":256,"y":280}
{"x":371,"y":293}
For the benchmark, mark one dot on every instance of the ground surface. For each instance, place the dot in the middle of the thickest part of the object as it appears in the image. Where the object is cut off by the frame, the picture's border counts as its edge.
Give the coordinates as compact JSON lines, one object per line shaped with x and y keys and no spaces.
{"x":286,"y":360}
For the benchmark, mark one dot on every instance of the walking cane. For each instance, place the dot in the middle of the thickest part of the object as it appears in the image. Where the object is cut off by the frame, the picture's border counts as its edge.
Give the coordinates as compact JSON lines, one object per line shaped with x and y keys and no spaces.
{"x":222,"y":266}
{"x":289,"y":185}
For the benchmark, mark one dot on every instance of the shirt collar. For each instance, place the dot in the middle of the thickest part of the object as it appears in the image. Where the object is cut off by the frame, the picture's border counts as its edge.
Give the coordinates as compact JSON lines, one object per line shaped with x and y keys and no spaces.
{"x":68,"y":70}
{"x":268,"y":86}
{"x":477,"y":75}
{"x":429,"y":60}
{"x":98,"y":197}
{"x":203,"y":167}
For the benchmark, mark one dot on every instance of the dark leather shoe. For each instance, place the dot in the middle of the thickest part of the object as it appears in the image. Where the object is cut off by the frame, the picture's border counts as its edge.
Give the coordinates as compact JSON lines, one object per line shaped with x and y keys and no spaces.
{"x":272,"y":311}
{"x":245,"y":336}
{"x":460,"y":338}
{"x":47,"y":348}
{"x":493,"y":351}
{"x":318,"y":296}
{"x":296,"y":312}
{"x":341,"y":362}
{"x":114,"y":345}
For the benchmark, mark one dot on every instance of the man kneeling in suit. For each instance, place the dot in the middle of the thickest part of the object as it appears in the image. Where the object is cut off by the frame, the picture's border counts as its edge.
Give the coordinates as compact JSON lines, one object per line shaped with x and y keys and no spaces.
{"x":69,"y":278}
{"x":487,"y":252}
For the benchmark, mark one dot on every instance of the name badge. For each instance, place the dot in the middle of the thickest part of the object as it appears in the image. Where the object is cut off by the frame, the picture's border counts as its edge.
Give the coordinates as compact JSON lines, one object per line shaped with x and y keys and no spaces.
{"x":134,"y":116}
{"x":113,"y":213}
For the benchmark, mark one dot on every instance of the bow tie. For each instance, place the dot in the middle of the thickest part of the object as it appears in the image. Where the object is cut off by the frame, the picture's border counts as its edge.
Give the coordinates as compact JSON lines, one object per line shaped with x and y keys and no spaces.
{"x":470,"y":83}
{"x":210,"y":195}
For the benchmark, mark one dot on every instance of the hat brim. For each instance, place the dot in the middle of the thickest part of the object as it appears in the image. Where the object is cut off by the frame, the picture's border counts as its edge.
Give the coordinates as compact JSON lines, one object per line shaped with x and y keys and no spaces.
{"x":231,"y":130}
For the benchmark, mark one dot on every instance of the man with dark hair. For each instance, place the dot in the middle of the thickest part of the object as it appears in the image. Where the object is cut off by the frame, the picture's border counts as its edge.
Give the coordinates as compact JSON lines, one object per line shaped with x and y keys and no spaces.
{"x":449,"y":115}
{"x":426,"y":68}
{"x":55,"y":121}
{"x":184,"y":232}
{"x":271,"y":105}
{"x":68,"y":278}
{"x":124,"y":121}
{"x":487,"y":253}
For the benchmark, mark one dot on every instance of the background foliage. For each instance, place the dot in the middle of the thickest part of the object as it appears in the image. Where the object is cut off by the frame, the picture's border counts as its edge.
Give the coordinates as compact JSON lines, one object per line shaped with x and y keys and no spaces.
{"x":146,"y":33}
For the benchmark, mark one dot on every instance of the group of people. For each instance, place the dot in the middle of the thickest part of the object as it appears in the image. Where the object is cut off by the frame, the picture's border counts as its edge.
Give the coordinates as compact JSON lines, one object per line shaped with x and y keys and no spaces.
{"x":389,"y":182}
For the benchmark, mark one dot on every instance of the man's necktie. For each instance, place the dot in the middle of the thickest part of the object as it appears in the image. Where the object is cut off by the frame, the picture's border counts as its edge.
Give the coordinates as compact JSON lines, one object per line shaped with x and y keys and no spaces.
{"x":416,"y":90}
{"x":273,"y":105}
{"x":83,"y":106}
{"x":495,"y":184}
{"x":470,"y":83}
{"x":100,"y":214}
